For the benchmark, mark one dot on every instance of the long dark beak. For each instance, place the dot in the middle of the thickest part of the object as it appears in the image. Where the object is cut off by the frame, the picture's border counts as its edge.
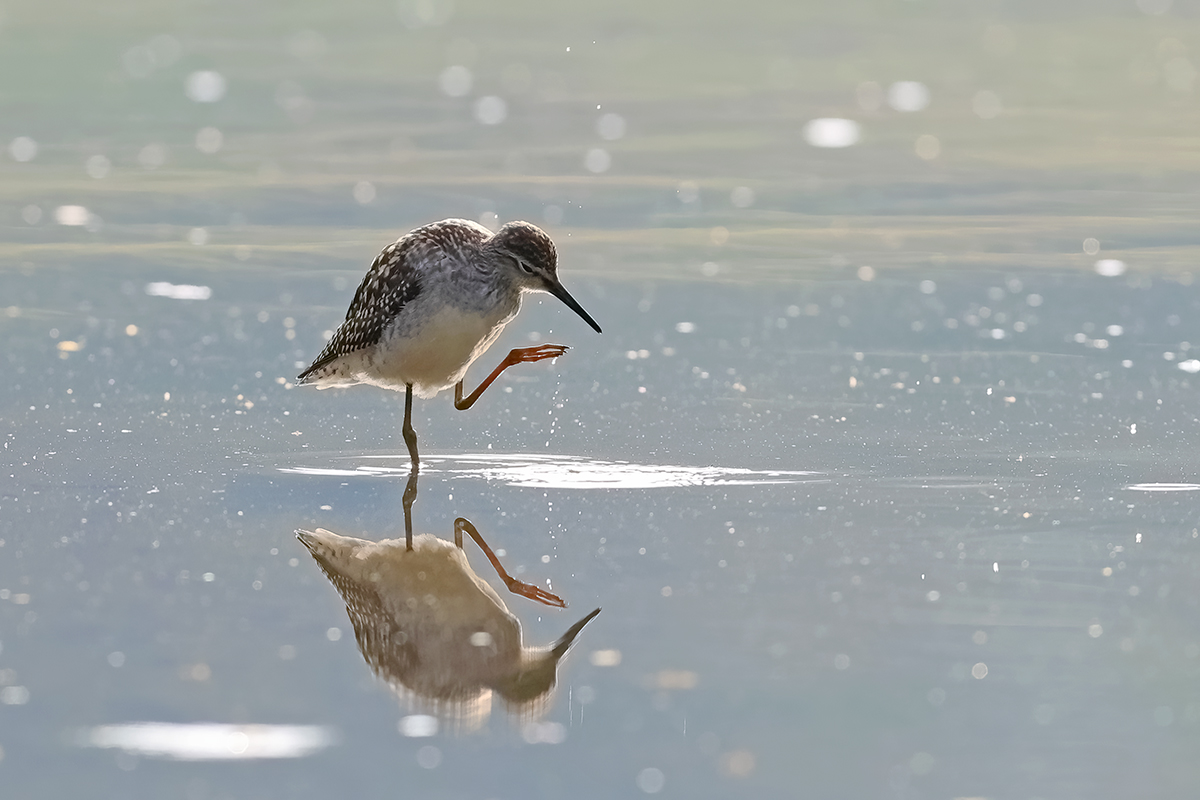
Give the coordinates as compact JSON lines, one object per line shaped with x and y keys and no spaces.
{"x":560,"y":648}
{"x":555,"y":288}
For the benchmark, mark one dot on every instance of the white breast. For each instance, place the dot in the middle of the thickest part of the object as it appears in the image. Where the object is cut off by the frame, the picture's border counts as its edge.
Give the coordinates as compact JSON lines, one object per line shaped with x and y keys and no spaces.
{"x":435,"y":355}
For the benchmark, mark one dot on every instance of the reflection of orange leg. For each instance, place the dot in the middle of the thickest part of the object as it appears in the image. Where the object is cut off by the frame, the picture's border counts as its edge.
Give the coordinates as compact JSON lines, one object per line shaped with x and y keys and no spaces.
{"x":515,"y":586}
{"x":521,"y":355}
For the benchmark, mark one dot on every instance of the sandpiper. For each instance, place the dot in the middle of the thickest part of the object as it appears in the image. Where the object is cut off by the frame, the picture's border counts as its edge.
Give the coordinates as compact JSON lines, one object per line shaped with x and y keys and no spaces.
{"x":431,"y":303}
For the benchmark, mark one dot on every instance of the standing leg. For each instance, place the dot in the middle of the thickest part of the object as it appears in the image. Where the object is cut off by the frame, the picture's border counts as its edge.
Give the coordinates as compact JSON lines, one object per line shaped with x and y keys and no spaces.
{"x":519,"y":356}
{"x":410,"y":491}
{"x":410,"y":495}
{"x":515,"y":586}
{"x":410,"y":436}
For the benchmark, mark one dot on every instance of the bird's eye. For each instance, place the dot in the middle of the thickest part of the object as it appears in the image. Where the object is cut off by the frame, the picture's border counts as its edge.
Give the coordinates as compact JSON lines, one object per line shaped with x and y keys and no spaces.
{"x":528,"y":270}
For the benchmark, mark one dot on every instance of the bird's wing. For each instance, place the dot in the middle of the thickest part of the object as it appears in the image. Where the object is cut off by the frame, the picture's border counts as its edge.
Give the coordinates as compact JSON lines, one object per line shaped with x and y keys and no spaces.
{"x":390,"y":283}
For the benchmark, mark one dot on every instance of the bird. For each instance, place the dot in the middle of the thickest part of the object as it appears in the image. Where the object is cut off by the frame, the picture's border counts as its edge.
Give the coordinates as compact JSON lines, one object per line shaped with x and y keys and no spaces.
{"x":435,"y":631}
{"x":432,"y":303}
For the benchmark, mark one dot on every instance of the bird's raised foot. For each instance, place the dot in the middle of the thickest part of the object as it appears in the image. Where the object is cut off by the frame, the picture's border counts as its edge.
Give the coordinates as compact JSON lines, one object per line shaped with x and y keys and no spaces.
{"x":534,"y":593}
{"x":524,"y":355}
{"x":520,"y":355}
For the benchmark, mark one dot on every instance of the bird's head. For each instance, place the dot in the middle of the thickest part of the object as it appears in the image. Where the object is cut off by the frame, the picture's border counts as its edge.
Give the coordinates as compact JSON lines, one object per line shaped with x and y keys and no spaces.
{"x":529,"y":253}
{"x":537,"y":672}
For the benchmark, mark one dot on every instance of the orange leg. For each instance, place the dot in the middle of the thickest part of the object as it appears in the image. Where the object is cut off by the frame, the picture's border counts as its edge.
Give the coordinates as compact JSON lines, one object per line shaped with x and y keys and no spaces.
{"x":410,"y":491}
{"x":410,"y":435}
{"x":515,"y":586}
{"x":410,"y":494}
{"x":521,"y":355}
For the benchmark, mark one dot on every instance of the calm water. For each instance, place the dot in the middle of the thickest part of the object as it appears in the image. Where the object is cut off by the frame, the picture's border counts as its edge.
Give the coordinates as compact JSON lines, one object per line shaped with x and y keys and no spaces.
{"x":882,"y":472}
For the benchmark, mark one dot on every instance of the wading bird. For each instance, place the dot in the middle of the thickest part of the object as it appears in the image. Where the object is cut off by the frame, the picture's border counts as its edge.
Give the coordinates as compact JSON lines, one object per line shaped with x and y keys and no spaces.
{"x":432,"y":303}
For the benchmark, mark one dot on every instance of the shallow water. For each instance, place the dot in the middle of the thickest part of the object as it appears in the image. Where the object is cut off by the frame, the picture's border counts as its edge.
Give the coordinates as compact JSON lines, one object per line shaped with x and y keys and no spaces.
{"x":884,"y":486}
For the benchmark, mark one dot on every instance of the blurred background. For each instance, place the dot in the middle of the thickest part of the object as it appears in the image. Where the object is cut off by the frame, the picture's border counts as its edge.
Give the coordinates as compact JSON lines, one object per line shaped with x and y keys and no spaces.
{"x":996,"y":132}
{"x":883,"y":470}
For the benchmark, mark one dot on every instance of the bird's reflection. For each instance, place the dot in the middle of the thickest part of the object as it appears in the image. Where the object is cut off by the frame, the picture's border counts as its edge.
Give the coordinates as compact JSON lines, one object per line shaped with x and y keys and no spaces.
{"x":436,"y":632}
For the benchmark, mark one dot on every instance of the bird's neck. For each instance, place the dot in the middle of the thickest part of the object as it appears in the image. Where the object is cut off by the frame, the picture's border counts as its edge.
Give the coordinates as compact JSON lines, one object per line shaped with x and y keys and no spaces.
{"x":484,"y":287}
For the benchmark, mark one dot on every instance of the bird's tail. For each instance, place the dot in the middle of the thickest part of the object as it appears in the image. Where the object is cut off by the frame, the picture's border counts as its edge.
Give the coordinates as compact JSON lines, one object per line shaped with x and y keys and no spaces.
{"x":325,"y":375}
{"x":327,"y":545}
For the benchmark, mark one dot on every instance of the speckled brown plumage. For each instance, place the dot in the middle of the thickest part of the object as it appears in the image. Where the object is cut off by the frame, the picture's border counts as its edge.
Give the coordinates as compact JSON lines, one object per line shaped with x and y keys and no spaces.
{"x":393,"y":280}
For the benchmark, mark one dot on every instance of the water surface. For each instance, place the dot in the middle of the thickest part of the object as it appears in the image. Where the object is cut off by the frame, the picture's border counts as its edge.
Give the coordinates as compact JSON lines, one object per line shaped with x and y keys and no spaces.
{"x":881,"y":473}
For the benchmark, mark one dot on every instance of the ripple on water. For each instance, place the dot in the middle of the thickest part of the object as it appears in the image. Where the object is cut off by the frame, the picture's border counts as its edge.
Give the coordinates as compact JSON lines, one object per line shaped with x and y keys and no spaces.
{"x":569,"y":472}
{"x":207,"y":741}
{"x":1164,"y":487}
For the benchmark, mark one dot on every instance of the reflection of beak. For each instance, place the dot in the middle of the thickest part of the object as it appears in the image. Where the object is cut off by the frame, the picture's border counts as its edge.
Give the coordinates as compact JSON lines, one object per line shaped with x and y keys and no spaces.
{"x":560,"y":648}
{"x":555,"y":288}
